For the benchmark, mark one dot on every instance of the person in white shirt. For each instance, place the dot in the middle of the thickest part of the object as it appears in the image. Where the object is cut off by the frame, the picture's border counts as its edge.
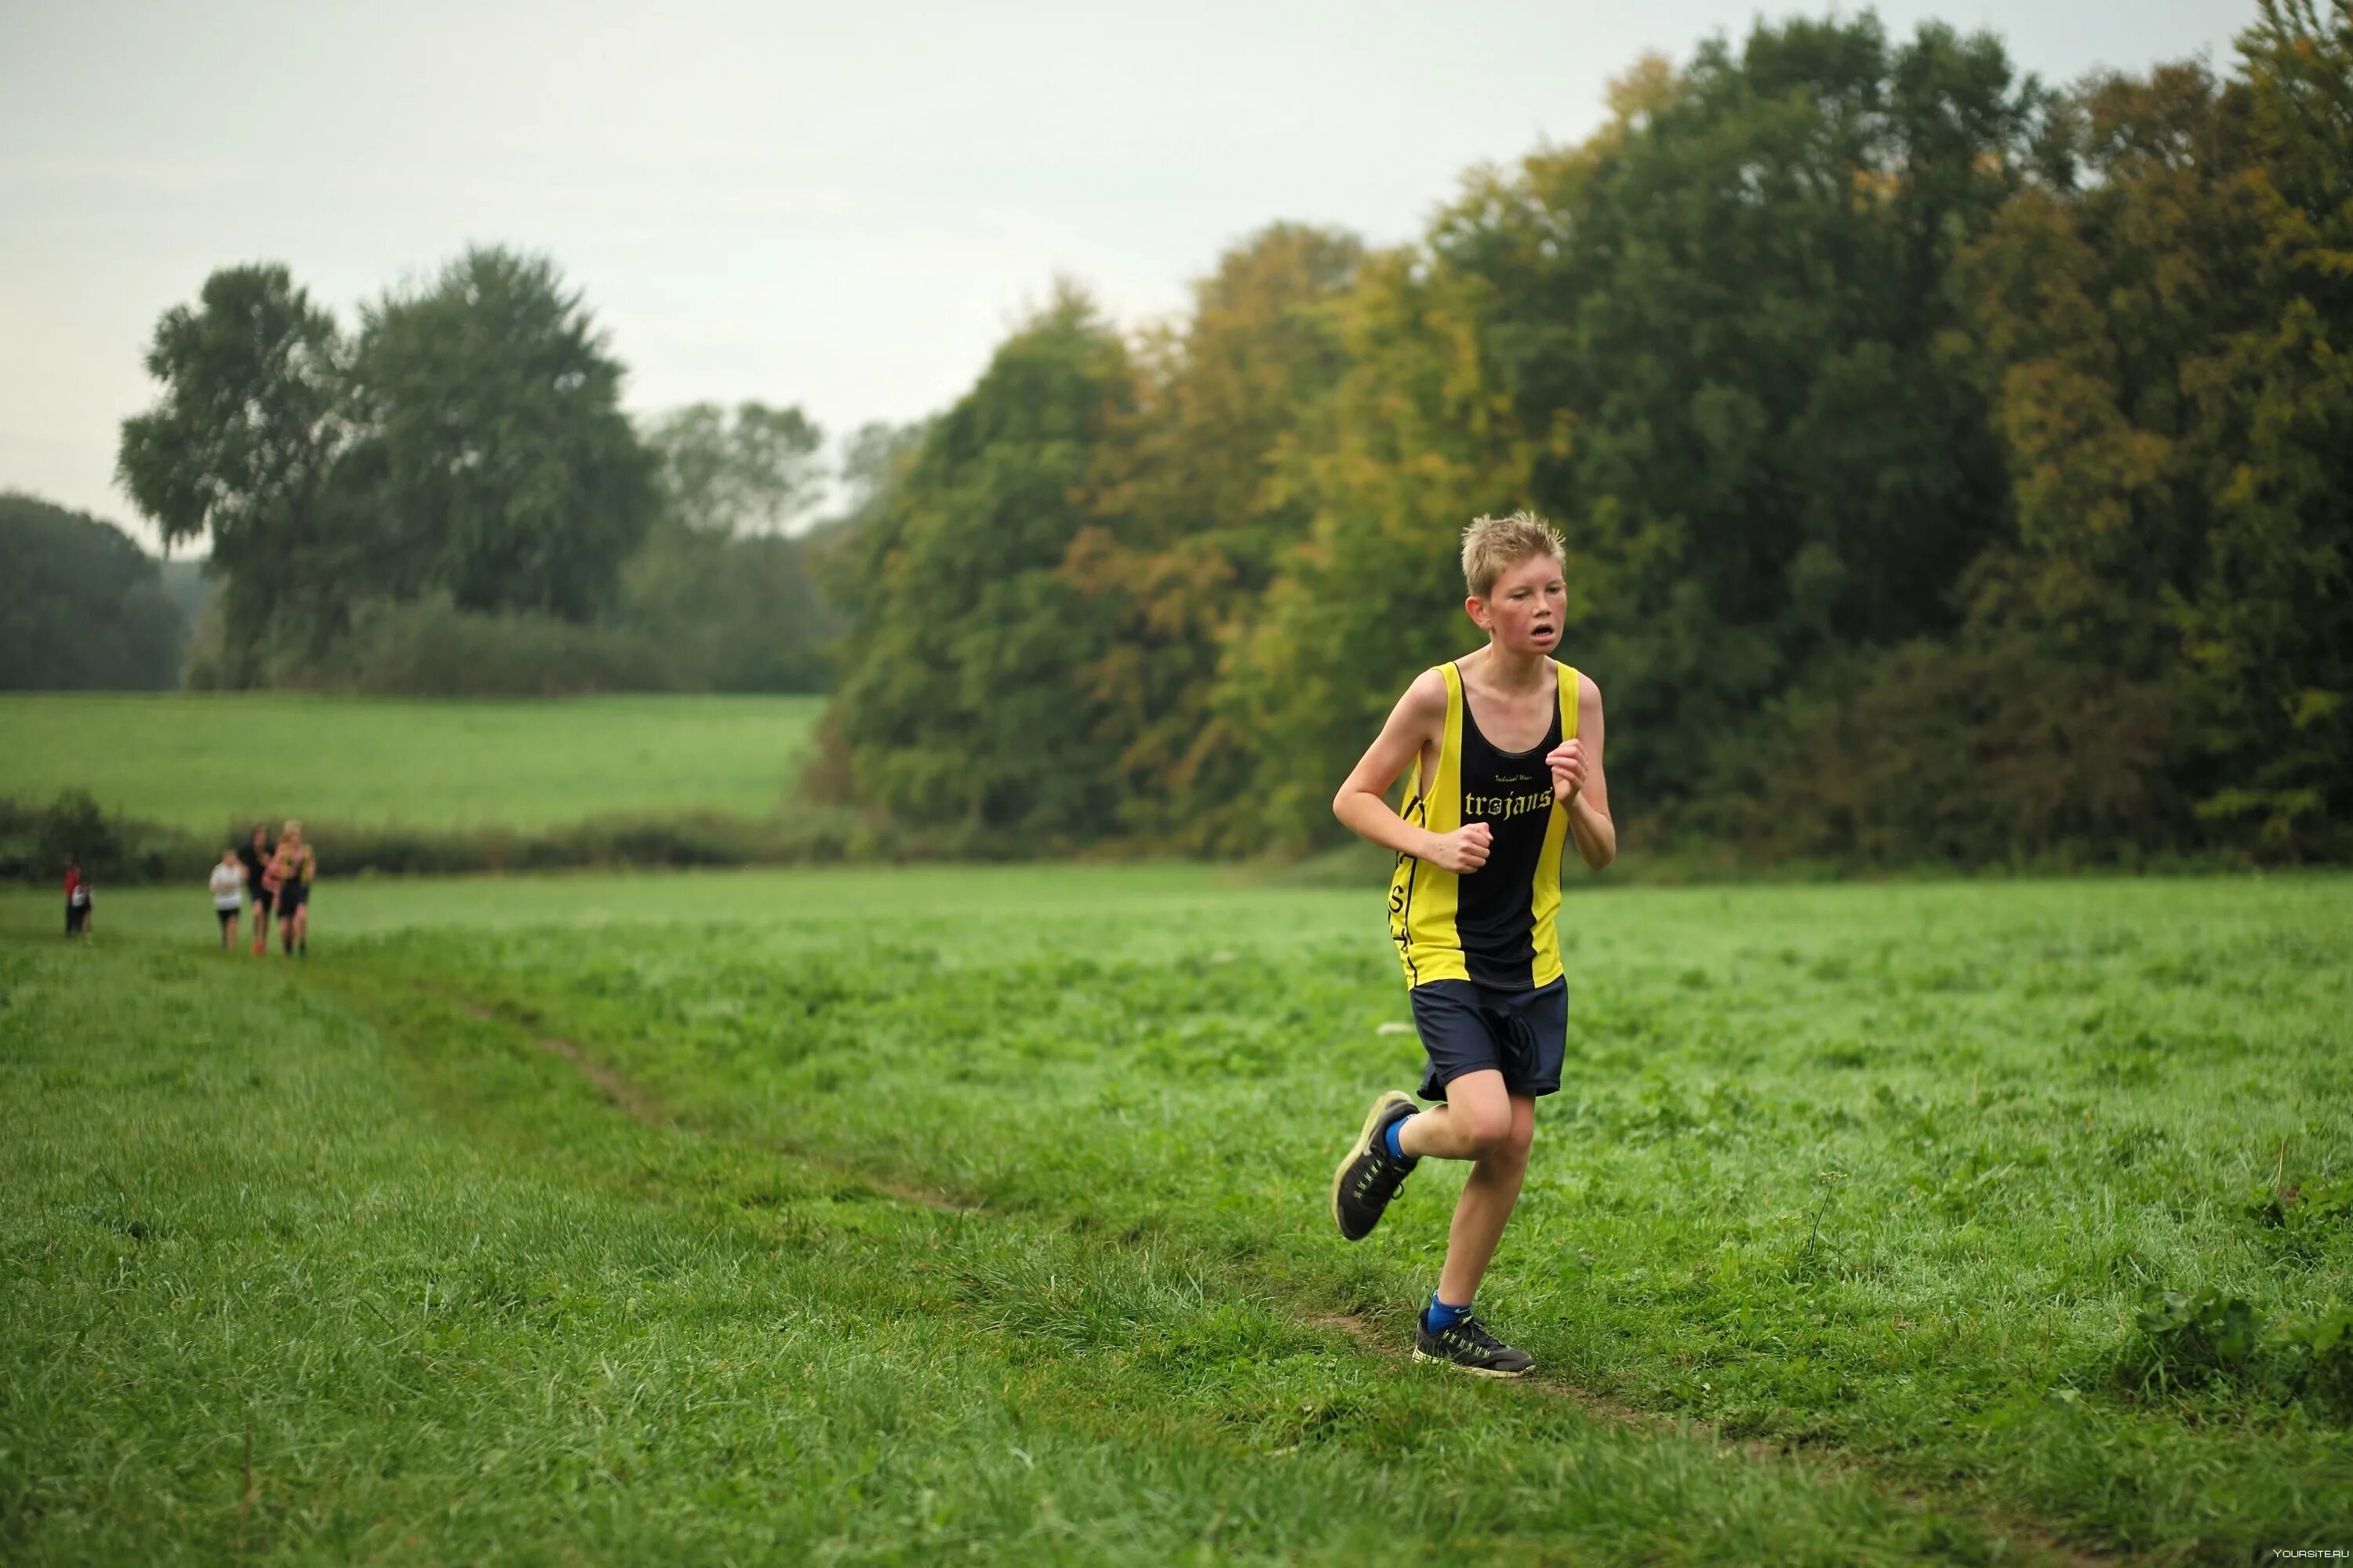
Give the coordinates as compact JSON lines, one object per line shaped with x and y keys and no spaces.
{"x":228,"y":895}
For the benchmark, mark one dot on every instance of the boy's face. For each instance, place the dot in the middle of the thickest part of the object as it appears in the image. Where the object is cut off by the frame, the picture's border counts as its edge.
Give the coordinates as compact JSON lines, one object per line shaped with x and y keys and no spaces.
{"x":1524,"y":611}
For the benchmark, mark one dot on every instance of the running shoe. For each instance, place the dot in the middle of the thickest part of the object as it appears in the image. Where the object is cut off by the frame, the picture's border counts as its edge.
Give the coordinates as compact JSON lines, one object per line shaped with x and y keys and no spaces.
{"x":1369,"y":1176}
{"x":1465,"y":1345}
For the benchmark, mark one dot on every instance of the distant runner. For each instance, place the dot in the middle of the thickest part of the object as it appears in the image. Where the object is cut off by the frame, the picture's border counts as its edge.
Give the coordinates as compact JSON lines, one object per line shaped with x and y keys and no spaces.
{"x":255,"y":858}
{"x":1505,"y":747}
{"x":294,"y":864}
{"x":228,"y":897}
{"x":77,"y":900}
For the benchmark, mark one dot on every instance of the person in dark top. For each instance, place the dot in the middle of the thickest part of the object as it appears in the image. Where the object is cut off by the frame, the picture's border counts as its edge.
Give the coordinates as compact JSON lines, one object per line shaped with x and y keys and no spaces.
{"x":256,"y":857}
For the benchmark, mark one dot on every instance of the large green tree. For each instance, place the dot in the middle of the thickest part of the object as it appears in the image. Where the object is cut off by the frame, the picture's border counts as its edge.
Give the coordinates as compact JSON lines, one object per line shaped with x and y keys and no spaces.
{"x":82,"y":605}
{"x":1198,"y":499}
{"x":2269,"y":627}
{"x":1733,"y":318}
{"x":1418,"y":439}
{"x":491,"y":456}
{"x":959,"y":700}
{"x":240,"y":445}
{"x":2161,"y":323}
{"x":1713,"y":342}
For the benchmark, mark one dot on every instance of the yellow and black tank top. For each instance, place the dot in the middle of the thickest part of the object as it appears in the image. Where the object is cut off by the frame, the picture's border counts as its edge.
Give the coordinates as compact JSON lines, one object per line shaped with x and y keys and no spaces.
{"x":1499,"y":925}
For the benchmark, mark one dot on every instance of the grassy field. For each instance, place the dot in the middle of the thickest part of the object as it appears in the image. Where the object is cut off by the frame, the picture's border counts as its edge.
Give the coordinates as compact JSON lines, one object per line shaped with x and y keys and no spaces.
{"x":200,"y":761}
{"x":957,"y":1215}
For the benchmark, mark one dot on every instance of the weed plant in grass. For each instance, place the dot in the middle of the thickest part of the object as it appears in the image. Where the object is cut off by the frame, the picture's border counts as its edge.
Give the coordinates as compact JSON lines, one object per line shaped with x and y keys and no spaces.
{"x":1907,"y":1172}
{"x":201,"y":762}
{"x":283,"y":1282}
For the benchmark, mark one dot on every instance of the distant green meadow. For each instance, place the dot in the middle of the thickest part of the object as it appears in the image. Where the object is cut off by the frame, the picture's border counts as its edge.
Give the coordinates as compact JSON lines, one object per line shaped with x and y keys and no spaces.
{"x":979,"y":1215}
{"x":201,"y":762}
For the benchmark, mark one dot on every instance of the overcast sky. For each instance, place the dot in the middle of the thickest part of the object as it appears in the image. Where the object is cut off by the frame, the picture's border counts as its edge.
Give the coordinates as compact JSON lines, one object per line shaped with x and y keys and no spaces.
{"x":841,"y":207}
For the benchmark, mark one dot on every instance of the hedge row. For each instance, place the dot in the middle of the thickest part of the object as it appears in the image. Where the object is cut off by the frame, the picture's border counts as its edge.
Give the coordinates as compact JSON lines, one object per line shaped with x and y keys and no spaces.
{"x":35,"y":841}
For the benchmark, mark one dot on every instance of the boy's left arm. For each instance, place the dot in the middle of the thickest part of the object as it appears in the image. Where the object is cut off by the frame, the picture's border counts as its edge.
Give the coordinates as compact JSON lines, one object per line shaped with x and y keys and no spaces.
{"x":1577,"y":778}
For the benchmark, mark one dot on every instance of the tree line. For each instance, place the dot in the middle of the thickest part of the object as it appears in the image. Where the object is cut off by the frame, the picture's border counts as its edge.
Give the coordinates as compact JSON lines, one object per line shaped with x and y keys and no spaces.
{"x":1952,"y":468}
{"x":450,"y":499}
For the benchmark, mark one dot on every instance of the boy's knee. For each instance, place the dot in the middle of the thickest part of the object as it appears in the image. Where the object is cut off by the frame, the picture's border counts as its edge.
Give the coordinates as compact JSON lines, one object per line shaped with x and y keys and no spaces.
{"x":1487,"y":1131}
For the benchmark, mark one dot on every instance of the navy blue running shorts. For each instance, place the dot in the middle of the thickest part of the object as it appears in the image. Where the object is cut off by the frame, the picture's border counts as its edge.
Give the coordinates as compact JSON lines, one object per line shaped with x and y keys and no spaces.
{"x":1465,"y":1026}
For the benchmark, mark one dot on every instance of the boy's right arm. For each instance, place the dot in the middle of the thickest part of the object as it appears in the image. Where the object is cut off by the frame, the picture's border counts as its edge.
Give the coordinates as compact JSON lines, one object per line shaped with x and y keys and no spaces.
{"x":1417,"y":720}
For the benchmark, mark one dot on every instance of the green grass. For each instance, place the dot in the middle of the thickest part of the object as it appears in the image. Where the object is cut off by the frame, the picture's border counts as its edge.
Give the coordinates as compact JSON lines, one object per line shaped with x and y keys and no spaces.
{"x":200,"y":761}
{"x":1832,"y":1248}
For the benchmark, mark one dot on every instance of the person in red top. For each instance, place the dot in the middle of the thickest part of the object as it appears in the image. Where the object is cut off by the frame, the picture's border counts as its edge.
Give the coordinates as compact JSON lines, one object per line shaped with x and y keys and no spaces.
{"x":77,"y":900}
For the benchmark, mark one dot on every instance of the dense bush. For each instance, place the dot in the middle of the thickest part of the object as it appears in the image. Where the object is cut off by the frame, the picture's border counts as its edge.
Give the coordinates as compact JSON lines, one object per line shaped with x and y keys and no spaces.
{"x":1962,"y":752}
{"x":729,"y":614}
{"x":35,"y":839}
{"x":698,"y":613}
{"x":430,"y":648}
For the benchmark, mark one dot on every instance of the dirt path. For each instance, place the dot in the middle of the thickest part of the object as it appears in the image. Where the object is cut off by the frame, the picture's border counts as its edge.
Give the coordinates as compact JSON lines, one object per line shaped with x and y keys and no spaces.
{"x":640,"y":1105}
{"x":2039,"y":1539}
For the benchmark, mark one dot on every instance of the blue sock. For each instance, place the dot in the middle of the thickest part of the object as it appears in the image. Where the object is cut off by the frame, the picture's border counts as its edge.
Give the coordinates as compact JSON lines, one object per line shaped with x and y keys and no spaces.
{"x":1441,"y":1317}
{"x":1397,"y":1149}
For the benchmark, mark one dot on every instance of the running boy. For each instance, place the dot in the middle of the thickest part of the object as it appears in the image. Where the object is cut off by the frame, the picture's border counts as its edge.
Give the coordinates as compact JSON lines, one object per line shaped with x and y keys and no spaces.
{"x":1506,"y":746}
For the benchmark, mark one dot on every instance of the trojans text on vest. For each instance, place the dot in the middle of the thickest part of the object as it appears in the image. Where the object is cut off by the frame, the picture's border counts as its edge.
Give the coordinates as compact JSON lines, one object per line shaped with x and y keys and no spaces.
{"x":1503,"y":808}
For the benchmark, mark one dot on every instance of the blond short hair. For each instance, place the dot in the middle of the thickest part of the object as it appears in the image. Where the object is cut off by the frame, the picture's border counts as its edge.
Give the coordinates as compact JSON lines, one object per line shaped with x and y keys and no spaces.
{"x":1493,"y":545}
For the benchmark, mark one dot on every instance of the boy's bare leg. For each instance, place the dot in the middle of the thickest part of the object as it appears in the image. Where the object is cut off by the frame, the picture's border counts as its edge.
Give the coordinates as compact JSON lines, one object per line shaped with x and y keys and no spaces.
{"x":1484,"y":1124}
{"x":1486,"y":1205}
